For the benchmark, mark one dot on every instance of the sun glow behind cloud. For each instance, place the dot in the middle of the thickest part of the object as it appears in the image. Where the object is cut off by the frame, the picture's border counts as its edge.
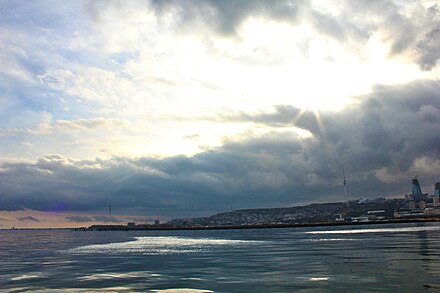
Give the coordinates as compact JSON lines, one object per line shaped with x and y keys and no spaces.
{"x":325,"y":75}
{"x":267,"y":63}
{"x":169,"y":77}
{"x":170,"y":84}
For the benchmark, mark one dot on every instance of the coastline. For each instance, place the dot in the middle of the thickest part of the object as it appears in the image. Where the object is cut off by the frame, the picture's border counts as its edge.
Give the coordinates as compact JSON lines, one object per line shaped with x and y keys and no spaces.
{"x":265,"y":226}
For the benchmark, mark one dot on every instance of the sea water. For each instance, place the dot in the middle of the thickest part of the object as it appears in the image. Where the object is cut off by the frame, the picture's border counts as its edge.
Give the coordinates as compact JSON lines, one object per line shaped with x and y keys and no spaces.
{"x":371,"y":258}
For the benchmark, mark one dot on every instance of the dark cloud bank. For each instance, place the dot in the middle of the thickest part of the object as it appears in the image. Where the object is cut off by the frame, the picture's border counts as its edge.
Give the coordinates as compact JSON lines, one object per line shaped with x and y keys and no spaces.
{"x":387,"y":132}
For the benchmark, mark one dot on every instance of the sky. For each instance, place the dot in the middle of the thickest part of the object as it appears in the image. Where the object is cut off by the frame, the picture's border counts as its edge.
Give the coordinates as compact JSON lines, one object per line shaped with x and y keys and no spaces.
{"x":185,"y":108}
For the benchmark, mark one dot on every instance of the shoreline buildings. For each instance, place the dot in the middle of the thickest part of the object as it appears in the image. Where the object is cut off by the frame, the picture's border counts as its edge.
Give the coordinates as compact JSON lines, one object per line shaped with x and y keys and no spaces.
{"x":414,"y":206}
{"x":420,"y":204}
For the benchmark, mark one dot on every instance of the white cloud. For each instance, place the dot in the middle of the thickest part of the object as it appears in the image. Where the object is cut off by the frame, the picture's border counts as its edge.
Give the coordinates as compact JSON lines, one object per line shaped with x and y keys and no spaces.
{"x":10,"y":56}
{"x":65,"y":126}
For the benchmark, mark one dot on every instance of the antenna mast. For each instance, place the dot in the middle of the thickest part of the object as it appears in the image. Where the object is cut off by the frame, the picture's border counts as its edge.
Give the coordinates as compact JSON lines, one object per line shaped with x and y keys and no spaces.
{"x":344,"y":181}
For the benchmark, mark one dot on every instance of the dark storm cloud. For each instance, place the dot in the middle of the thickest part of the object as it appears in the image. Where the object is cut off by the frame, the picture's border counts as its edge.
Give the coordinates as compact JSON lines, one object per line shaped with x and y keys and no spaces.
{"x":224,"y":17}
{"x":255,"y":172}
{"x":383,"y":133}
{"x":229,"y":15}
{"x":428,"y":47}
{"x":390,"y":128}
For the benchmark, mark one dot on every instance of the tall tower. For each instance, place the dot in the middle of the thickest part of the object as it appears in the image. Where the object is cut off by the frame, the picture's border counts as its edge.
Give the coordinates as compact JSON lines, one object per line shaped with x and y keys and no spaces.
{"x":344,"y":182}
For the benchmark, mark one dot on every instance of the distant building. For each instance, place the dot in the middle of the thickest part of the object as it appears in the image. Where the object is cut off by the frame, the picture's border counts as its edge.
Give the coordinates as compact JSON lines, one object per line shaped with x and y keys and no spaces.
{"x":156,"y":222}
{"x":422,"y":205}
{"x":339,"y":218}
{"x":412,"y":205}
{"x":437,"y":189}
{"x":430,"y":212}
{"x":416,"y":190}
{"x":131,"y":224}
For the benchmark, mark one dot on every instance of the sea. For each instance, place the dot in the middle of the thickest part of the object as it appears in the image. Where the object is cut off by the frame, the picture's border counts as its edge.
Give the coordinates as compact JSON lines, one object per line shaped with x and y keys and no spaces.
{"x":368,"y":258}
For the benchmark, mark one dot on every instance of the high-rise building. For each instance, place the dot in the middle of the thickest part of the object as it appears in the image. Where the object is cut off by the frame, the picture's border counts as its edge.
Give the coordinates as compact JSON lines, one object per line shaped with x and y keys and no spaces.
{"x":416,"y":190}
{"x":437,"y":189}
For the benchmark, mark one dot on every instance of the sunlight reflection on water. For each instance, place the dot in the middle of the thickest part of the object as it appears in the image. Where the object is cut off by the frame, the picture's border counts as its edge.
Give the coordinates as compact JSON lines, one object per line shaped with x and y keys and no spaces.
{"x":161,"y":246}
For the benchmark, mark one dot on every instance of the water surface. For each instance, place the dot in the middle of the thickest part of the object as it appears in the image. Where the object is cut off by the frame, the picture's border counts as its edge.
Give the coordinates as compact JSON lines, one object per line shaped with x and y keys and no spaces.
{"x":373,"y":258}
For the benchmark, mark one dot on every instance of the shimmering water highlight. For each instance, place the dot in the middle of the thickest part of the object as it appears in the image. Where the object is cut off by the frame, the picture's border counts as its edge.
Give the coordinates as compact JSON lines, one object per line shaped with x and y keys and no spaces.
{"x":161,"y":245}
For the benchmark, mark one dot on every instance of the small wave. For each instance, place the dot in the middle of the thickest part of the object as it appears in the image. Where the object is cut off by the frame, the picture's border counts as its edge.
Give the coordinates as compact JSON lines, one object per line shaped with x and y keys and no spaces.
{"x":161,"y":245}
{"x":318,"y":279}
{"x":24,"y":277}
{"x":329,"y":239}
{"x":110,"y":276}
{"x":314,"y":279}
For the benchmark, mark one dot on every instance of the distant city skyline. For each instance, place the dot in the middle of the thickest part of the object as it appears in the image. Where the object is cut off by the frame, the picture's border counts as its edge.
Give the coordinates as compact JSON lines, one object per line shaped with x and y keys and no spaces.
{"x":167,"y":109}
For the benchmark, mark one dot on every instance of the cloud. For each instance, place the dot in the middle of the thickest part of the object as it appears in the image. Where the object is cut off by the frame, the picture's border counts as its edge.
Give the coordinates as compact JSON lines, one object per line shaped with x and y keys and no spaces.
{"x":140,"y":61}
{"x":112,"y":78}
{"x":12,"y":68}
{"x":396,"y":123}
{"x":410,"y":29}
{"x":27,"y":219}
{"x":65,"y":126}
{"x":383,"y":141}
{"x":223,"y":17}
